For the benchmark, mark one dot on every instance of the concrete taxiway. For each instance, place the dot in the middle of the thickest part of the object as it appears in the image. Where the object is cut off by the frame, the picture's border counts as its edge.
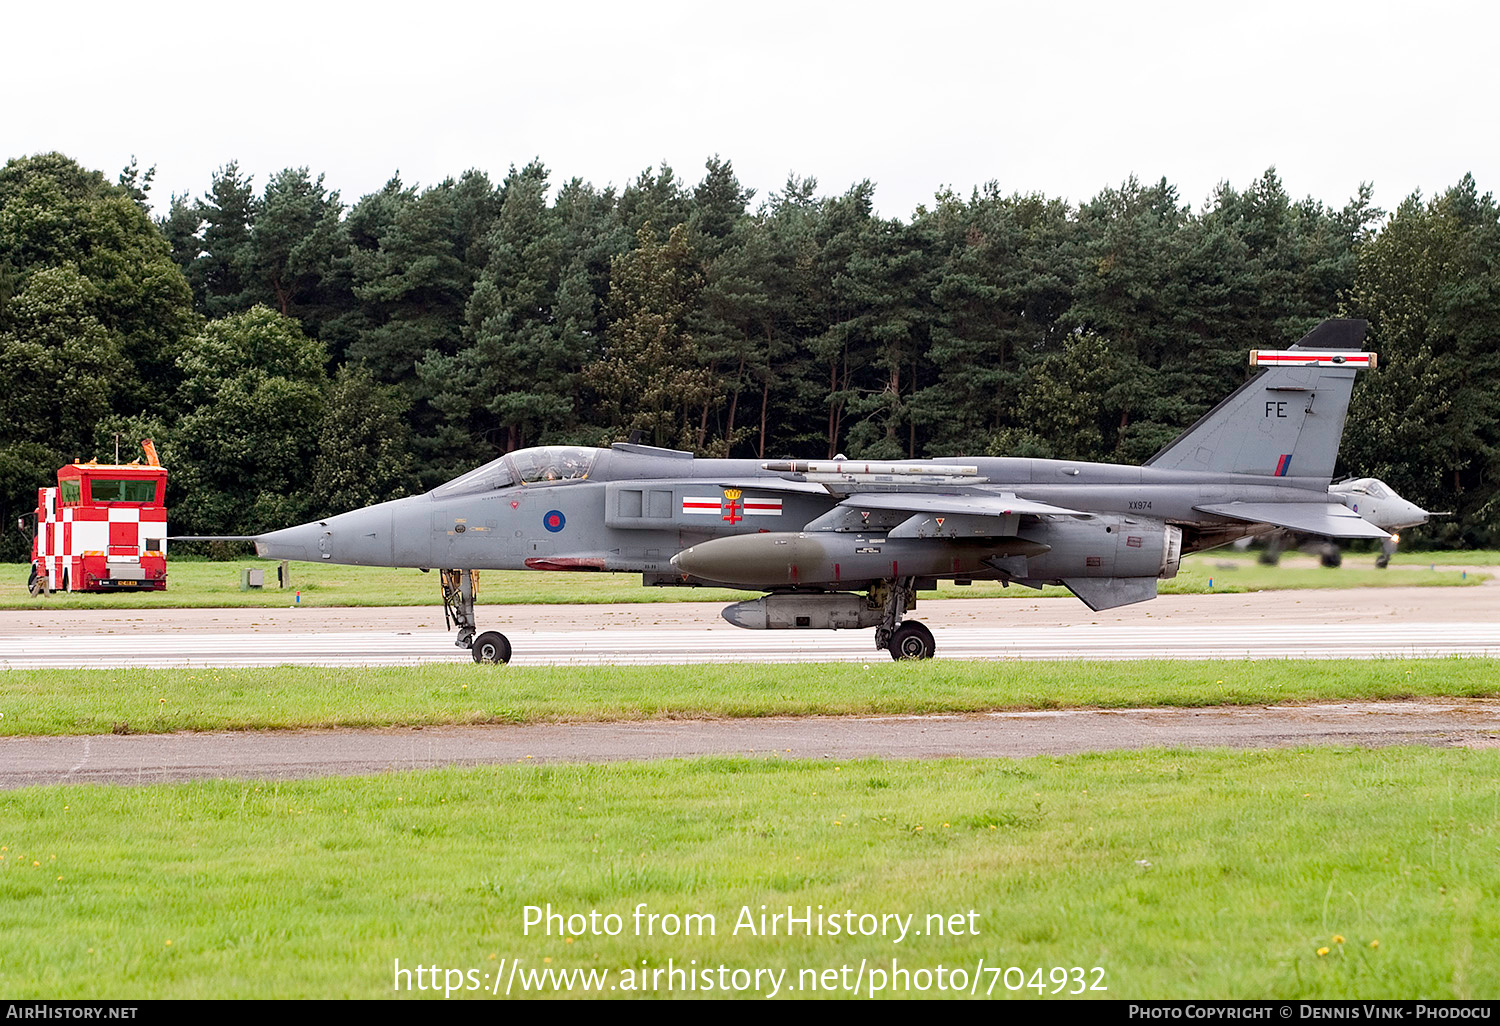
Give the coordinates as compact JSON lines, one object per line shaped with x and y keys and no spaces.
{"x":155,"y":758}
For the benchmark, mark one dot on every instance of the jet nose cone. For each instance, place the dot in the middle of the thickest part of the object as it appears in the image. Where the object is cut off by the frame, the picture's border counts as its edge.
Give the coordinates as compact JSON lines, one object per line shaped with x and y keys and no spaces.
{"x":301,"y":542}
{"x":361,"y":536}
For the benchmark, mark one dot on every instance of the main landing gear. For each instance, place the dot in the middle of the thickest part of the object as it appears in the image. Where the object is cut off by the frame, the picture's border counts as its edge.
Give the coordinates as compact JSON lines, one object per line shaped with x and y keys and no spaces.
{"x":912,"y":640}
{"x":458,"y":611}
{"x":909,"y":639}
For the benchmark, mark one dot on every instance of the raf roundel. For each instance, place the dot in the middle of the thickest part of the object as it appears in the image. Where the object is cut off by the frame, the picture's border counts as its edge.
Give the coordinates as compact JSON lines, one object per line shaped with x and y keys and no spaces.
{"x":554,"y":521}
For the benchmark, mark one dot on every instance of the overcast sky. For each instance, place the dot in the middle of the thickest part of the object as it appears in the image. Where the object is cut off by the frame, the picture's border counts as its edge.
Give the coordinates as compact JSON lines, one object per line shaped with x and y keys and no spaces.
{"x":1059,"y":97}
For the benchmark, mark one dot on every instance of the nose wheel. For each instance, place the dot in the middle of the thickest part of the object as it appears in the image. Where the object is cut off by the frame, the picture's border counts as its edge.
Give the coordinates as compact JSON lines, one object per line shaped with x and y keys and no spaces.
{"x":458,"y":609}
{"x":491,"y":647}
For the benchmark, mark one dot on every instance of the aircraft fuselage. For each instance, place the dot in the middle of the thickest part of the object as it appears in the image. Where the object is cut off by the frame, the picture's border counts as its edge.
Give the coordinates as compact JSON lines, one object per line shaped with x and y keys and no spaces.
{"x":634,"y":511}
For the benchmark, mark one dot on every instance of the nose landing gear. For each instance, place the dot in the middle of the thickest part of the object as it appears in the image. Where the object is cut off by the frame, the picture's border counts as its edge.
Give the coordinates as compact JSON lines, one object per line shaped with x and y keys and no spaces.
{"x":491,"y":647}
{"x":458,"y":611}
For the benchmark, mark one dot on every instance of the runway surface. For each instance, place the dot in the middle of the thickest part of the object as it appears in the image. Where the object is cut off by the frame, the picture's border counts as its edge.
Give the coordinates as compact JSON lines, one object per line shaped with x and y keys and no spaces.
{"x":155,"y":758}
{"x":1362,"y":623}
{"x":536,"y":648}
{"x":1358,"y":623}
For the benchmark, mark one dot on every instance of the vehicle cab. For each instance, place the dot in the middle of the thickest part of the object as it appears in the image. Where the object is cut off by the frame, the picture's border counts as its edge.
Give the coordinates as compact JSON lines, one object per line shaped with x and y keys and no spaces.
{"x":102,"y":528}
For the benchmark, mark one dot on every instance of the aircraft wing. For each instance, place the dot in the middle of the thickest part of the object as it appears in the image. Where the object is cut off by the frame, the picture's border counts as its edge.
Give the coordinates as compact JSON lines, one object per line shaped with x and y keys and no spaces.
{"x":958,"y":505}
{"x":1331,"y":520}
{"x":773,"y":484}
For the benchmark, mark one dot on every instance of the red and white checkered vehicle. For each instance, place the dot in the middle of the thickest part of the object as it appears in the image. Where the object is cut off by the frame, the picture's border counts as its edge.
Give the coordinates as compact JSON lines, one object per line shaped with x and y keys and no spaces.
{"x":103,"y":528}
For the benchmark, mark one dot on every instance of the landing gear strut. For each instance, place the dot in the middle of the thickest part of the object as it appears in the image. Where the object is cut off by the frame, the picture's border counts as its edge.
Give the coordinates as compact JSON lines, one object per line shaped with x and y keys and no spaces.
{"x":1387,"y":550}
{"x":904,"y":640}
{"x":1271,"y":554}
{"x":458,"y":611}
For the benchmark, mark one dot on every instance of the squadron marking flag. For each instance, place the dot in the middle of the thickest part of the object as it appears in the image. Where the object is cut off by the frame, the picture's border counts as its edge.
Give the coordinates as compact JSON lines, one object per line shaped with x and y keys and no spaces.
{"x":733,"y":506}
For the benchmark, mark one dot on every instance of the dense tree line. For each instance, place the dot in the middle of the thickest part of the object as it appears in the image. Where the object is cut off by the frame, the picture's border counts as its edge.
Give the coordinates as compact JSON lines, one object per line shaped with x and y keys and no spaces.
{"x":294,"y":355}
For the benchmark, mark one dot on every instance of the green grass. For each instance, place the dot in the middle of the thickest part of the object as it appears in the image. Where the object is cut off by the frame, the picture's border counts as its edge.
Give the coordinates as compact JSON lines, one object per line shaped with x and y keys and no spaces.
{"x":36,"y":702}
{"x":1465,"y":557}
{"x":195,"y":584}
{"x":1181,"y":874}
{"x":1231,"y":575}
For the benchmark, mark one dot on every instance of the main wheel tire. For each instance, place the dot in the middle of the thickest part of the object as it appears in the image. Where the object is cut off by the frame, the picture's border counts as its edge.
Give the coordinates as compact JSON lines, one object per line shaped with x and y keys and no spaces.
{"x":1331,"y":556}
{"x":912,"y":640}
{"x":491,"y":647}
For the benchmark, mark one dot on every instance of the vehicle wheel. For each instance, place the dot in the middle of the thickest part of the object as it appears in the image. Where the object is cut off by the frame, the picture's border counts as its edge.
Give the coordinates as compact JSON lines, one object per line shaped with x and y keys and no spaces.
{"x":1332,"y":556}
{"x":1382,"y":561}
{"x":912,"y":640}
{"x":34,"y":583}
{"x":491,"y":647}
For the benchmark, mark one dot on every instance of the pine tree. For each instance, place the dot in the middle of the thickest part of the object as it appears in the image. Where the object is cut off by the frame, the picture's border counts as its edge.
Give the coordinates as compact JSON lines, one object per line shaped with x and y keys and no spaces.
{"x":650,"y":378}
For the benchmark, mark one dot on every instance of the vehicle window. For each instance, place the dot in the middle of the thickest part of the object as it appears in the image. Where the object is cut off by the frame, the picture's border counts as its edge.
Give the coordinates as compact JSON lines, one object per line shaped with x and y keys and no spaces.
{"x":114,"y":490}
{"x":492,"y":476}
{"x":71,"y":491}
{"x":553,"y":463}
{"x":524,"y":466}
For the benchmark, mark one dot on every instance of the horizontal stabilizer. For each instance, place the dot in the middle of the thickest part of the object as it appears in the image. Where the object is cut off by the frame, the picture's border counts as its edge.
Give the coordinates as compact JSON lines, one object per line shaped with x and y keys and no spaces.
{"x":1331,"y":520}
{"x":1108,"y":592}
{"x":977,"y":505}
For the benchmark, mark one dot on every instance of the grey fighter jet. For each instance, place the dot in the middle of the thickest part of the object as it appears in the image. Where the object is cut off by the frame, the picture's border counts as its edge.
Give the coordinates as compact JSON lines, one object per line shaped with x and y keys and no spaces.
{"x":1372,"y":499}
{"x":843,"y":544}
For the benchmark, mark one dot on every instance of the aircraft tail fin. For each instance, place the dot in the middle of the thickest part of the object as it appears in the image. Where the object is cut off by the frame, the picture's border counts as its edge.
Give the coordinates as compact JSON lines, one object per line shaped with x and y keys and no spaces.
{"x":1286,"y":421}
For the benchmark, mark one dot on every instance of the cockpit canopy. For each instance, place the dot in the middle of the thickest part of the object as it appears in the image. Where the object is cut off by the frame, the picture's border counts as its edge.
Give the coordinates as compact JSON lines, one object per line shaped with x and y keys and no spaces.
{"x":1367,"y":486}
{"x":542,"y":464}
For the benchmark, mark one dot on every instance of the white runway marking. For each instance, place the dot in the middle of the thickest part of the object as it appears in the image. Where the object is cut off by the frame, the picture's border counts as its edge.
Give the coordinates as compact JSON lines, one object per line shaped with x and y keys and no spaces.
{"x":727,"y":644}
